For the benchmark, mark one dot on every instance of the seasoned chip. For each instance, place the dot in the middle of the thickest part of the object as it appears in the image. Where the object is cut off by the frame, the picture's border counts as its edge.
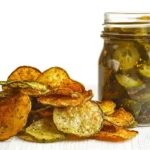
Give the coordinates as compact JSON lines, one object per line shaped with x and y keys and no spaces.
{"x":134,"y":124}
{"x":34,"y":92}
{"x":107,"y":106}
{"x":64,"y":100}
{"x":24,"y":73}
{"x":63,"y":91}
{"x":74,"y":85}
{"x":113,"y":133}
{"x":29,"y":138}
{"x":40,"y":109}
{"x":83,"y":120}
{"x":14,"y":111}
{"x":5,"y":93}
{"x":28,"y":87}
{"x":120,"y":118}
{"x":25,"y":84}
{"x":56,"y":77}
{"x":36,"y":105}
{"x":46,"y":113}
{"x":45,"y":130}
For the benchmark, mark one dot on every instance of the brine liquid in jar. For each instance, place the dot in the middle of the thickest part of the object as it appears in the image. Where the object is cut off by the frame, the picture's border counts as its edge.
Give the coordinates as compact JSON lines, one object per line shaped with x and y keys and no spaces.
{"x":124,"y":63}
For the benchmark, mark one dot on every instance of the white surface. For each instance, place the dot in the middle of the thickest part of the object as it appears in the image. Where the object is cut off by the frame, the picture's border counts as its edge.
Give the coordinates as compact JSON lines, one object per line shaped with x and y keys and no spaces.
{"x":65,"y":33}
{"x":141,"y":142}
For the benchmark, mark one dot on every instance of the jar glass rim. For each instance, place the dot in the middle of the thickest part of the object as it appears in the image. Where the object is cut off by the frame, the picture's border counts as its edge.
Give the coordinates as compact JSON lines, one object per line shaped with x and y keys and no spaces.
{"x":126,"y":17}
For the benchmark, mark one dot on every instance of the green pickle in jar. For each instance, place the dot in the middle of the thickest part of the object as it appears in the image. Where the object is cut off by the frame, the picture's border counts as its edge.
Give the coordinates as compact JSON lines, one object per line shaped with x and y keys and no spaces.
{"x":124,"y":63}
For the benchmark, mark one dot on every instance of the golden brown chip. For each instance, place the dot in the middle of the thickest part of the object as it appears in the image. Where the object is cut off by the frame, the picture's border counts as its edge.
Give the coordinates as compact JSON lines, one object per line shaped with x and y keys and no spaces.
{"x":74,"y":85}
{"x":32,"y":88}
{"x":83,"y":120}
{"x":14,"y":112}
{"x":63,"y":91}
{"x":5,"y":93}
{"x":56,"y":77}
{"x":34,"y":92}
{"x":29,"y":138}
{"x":64,"y":100}
{"x":45,"y":130}
{"x":107,"y":106}
{"x":24,"y":73}
{"x":46,"y":113}
{"x":113,"y":133}
{"x":120,"y":118}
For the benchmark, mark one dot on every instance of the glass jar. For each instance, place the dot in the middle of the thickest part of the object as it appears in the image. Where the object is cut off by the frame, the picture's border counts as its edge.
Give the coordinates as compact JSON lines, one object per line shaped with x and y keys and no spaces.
{"x":124,"y":63}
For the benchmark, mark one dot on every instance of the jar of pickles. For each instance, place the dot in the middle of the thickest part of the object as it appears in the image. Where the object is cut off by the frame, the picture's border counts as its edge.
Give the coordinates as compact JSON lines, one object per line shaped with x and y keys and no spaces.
{"x":124,"y":63}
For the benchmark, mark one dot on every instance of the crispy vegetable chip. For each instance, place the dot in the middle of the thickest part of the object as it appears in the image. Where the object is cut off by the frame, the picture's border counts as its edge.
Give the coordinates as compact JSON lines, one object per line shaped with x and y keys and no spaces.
{"x":25,"y":84}
{"x":50,"y":106}
{"x":29,"y":138}
{"x":113,"y":133}
{"x":44,"y":130}
{"x":24,"y":73}
{"x":134,"y":124}
{"x":120,"y":118}
{"x":108,"y":107}
{"x":14,"y":111}
{"x":64,"y":100}
{"x":28,"y":87}
{"x":83,"y":120}
{"x":5,"y":93}
{"x":56,"y":77}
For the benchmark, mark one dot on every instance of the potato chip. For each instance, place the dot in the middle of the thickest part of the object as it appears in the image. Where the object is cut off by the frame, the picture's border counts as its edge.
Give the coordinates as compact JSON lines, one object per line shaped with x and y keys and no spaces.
{"x":107,"y":106}
{"x":113,"y":133}
{"x":83,"y":120}
{"x":56,"y":77}
{"x":14,"y":111}
{"x":24,"y":73}
{"x":45,"y":130}
{"x":64,"y":100}
{"x":120,"y":118}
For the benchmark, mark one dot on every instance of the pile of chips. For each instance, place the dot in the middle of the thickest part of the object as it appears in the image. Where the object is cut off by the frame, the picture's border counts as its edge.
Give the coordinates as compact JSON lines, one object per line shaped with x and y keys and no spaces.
{"x":50,"y":106}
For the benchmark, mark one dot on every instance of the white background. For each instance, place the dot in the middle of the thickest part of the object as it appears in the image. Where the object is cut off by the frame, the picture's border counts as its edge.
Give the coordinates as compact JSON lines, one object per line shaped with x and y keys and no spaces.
{"x":63,"y":33}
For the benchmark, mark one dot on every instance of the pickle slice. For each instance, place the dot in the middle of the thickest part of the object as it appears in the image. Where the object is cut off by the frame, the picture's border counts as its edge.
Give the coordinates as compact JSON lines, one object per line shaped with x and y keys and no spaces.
{"x":112,"y":89}
{"x":83,"y":120}
{"x":132,"y":106}
{"x":127,"y":54}
{"x":146,"y":109}
{"x":141,"y":97}
{"x":135,"y":90}
{"x":45,"y":130}
{"x":127,"y":81}
{"x":144,"y":70}
{"x":144,"y":116}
